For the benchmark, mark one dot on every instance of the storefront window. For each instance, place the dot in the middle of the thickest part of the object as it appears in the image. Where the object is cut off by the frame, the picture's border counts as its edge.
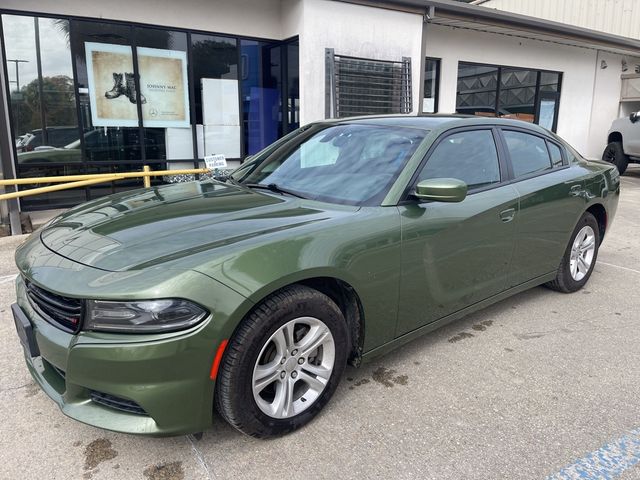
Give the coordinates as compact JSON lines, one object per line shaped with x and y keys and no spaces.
{"x":518,"y":94}
{"x":215,"y":68}
{"x":164,"y":94}
{"x":261,"y":94}
{"x":43,"y":102}
{"x":293,"y":85}
{"x":431,"y":85}
{"x":106,"y":97}
{"x":477,"y":89}
{"x":509,"y":92}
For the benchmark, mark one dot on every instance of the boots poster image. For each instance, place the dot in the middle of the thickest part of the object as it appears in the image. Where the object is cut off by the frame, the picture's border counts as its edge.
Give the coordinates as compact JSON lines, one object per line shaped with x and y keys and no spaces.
{"x":113,"y":92}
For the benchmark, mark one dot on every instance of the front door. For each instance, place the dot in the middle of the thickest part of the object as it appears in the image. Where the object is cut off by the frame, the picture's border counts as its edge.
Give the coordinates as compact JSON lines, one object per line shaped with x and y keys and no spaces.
{"x":457,"y":254}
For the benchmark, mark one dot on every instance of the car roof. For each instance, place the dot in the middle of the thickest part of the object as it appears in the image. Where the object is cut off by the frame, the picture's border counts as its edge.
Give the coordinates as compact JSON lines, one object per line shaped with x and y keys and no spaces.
{"x":438,"y":121}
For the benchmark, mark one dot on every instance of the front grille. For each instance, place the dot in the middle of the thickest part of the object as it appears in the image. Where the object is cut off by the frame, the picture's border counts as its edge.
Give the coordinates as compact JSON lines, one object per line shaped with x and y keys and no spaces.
{"x":62,"y":312}
{"x":117,"y":403}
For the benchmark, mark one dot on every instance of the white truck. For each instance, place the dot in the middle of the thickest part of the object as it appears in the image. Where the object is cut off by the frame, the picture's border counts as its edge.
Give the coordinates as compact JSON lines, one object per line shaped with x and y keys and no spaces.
{"x":623,"y":142}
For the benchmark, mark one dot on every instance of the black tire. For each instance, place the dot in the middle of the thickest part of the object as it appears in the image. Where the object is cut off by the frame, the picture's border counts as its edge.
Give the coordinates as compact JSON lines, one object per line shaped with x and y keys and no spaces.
{"x":614,"y":153}
{"x":564,"y":281}
{"x":234,"y":398}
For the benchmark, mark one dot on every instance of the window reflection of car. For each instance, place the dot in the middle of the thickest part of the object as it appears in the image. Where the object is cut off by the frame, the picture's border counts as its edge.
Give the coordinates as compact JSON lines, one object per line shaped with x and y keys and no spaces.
{"x":113,"y":144}
{"x":56,"y":137}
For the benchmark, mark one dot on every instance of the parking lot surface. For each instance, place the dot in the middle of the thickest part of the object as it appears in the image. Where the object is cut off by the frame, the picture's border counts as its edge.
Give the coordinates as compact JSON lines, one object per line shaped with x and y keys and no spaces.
{"x":542,"y":384}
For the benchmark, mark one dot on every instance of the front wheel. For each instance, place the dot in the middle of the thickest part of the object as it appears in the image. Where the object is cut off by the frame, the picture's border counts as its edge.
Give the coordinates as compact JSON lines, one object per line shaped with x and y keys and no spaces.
{"x":283,"y":363}
{"x":614,"y":153}
{"x":580,"y":256}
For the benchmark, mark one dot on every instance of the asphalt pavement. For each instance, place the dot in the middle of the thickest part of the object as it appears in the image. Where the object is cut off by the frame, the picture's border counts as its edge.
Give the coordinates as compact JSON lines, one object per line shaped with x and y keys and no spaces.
{"x":540,"y":385}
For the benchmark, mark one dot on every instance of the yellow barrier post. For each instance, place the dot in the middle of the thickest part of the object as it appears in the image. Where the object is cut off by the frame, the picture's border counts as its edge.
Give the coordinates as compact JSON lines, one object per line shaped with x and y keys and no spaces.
{"x":147,"y":178}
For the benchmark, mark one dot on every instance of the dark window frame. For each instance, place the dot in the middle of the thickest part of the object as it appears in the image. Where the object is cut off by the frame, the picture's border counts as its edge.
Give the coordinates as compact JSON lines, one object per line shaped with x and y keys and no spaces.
{"x":539,"y":72}
{"x":436,"y":90}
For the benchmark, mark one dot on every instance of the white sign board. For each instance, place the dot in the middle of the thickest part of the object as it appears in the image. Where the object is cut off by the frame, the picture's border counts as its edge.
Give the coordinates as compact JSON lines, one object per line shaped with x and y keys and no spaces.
{"x":215,"y":161}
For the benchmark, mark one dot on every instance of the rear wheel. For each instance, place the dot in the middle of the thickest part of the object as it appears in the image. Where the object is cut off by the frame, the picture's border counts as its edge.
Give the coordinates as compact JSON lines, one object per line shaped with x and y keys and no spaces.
{"x":283,"y":363}
{"x":580,"y":256}
{"x":614,"y":153}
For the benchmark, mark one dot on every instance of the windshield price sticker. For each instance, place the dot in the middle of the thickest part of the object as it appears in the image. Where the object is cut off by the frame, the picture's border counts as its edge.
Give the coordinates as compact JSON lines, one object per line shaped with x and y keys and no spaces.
{"x":215,"y":161}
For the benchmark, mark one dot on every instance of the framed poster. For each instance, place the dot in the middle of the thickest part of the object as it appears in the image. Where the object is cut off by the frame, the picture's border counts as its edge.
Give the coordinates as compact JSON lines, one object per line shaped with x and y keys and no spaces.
{"x":164,"y":93}
{"x":109,"y":71}
{"x":164,"y":88}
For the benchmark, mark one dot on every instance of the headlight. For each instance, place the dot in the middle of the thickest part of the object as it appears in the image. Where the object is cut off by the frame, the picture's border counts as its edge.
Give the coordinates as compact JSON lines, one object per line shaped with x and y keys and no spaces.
{"x":142,"y":316}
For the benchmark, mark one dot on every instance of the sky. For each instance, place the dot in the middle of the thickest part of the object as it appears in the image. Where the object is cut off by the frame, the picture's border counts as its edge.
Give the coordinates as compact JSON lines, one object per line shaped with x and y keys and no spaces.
{"x":19,"y":34}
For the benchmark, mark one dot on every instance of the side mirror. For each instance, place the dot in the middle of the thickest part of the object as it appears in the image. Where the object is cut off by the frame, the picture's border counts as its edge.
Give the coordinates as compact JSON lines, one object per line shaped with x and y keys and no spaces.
{"x":634,"y":117}
{"x":441,"y":190}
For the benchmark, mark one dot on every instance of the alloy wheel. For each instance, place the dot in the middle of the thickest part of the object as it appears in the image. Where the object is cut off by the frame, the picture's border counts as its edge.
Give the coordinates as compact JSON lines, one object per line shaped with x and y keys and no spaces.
{"x":582,"y":253}
{"x":293,"y":367}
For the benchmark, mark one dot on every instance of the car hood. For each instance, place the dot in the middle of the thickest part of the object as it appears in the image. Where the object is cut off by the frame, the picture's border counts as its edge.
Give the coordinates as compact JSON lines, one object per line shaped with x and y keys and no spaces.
{"x":145,"y":228}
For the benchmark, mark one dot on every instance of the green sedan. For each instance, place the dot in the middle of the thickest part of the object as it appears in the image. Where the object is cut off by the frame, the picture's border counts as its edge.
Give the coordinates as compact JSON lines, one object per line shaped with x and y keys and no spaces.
{"x":146,"y":311}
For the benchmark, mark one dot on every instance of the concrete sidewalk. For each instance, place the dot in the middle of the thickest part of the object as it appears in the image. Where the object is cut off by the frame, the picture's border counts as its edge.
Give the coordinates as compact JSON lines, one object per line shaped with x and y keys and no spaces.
{"x":520,"y":390}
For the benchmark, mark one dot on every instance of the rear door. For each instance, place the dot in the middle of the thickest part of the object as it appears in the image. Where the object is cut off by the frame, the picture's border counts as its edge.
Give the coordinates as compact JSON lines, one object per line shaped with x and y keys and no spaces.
{"x":551,"y":201}
{"x":457,"y":254}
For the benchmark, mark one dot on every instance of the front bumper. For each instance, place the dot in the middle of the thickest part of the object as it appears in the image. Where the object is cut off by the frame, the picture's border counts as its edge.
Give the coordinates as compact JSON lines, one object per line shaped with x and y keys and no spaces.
{"x":166,"y":375}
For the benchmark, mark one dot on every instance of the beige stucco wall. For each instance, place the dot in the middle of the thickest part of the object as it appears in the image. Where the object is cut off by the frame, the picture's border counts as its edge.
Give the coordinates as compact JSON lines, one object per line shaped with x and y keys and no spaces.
{"x":618,"y":17}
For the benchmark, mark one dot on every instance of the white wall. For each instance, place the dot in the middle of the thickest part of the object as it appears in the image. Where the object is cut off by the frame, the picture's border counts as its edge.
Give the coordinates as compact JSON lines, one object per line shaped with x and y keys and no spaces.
{"x":239,"y":17}
{"x":606,"y":100}
{"x":291,"y":18}
{"x":352,"y":30}
{"x":576,"y":64}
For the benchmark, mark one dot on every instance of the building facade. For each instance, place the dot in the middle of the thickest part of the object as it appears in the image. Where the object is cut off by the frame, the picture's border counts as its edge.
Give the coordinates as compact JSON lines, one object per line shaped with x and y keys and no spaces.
{"x":94,"y":87}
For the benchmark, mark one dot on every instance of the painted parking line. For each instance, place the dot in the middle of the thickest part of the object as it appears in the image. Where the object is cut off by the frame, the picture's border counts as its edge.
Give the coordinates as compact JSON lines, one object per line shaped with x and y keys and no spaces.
{"x":618,"y":266}
{"x":8,"y":278}
{"x":607,"y":462}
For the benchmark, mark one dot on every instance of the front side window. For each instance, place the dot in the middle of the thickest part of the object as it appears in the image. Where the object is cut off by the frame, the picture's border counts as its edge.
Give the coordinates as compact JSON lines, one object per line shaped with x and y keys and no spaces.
{"x":528,"y":153}
{"x":468,"y":156}
{"x":348,"y":164}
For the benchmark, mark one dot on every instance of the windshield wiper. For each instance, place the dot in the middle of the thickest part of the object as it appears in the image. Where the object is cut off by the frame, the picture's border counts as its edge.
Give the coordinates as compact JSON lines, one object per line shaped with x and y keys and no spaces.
{"x":226,"y":178}
{"x":274,"y":188}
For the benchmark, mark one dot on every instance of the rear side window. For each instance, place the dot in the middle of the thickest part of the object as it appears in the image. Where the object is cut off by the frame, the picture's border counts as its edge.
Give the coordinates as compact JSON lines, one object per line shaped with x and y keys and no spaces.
{"x":468,"y":156}
{"x":528,"y":153}
{"x":556,"y":154}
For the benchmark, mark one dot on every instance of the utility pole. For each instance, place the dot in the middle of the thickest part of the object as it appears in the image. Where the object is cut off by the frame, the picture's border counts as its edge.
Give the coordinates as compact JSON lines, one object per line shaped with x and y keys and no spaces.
{"x":17,"y":80}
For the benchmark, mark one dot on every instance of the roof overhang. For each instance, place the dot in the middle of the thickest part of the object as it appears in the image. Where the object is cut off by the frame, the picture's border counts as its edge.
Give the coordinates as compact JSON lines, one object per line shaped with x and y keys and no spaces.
{"x":473,"y":17}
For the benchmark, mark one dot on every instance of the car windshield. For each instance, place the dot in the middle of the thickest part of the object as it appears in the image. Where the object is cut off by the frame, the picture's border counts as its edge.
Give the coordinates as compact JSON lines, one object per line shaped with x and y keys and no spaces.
{"x":348,"y":164}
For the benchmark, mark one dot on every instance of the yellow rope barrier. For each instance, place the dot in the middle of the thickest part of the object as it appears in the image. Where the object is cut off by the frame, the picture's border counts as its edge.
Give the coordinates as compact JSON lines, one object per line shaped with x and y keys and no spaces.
{"x":53,"y":188}
{"x":73,"y":178}
{"x":74,"y":181}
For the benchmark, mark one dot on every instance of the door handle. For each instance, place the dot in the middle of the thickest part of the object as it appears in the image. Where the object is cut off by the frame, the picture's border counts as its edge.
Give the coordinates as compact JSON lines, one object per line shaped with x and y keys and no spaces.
{"x":576,"y":191}
{"x":508,"y":214}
